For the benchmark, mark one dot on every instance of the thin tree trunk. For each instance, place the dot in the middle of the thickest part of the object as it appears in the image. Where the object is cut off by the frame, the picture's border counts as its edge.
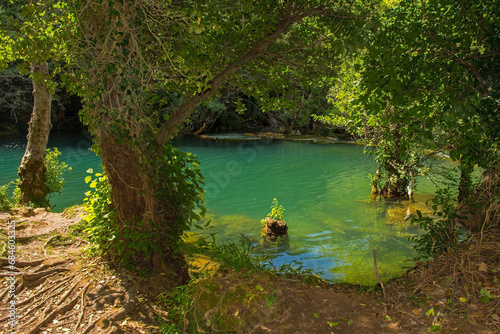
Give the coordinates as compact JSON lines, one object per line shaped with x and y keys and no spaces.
{"x":465,"y":185}
{"x":32,"y":168}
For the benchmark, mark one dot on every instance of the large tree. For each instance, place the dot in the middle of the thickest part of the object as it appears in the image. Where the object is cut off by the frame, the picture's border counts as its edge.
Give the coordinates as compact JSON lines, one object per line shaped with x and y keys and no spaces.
{"x":437,"y":64}
{"x":427,"y":79}
{"x":32,"y":34}
{"x":131,"y":50}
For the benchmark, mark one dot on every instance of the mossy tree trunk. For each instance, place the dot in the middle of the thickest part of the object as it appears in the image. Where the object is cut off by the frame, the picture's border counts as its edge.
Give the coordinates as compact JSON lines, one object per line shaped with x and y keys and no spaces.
{"x":32,"y":168}
{"x":397,"y":170}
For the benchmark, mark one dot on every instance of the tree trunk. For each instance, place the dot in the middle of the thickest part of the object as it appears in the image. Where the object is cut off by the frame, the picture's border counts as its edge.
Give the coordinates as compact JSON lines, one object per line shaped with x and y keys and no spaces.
{"x":465,"y":185}
{"x":396,"y":183}
{"x":32,"y":168}
{"x":131,"y":165}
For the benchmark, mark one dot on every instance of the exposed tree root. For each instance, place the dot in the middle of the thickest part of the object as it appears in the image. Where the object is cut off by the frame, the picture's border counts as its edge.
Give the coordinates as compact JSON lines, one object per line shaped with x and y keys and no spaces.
{"x":131,"y":302}
{"x":4,"y":261}
{"x":60,"y":310}
{"x":61,"y":282}
{"x":50,"y":272}
{"x":50,"y":300}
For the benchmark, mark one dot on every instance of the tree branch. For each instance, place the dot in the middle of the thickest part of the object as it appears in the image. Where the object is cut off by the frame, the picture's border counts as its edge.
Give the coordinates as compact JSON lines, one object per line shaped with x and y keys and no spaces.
{"x":288,"y":17}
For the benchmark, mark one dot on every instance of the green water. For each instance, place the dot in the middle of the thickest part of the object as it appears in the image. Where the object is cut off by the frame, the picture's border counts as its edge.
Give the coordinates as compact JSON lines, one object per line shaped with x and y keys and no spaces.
{"x":333,"y":229}
{"x":74,"y":147}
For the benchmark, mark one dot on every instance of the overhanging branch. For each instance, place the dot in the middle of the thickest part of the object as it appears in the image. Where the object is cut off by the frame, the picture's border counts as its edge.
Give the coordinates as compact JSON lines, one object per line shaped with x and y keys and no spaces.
{"x":287,"y":17}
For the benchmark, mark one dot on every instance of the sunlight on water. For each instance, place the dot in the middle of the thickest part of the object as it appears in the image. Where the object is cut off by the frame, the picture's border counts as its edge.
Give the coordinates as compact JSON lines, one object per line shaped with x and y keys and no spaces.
{"x":333,"y":227}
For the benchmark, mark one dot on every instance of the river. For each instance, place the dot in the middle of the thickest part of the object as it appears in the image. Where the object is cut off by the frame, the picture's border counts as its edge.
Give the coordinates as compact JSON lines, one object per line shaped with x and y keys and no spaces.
{"x":324,"y":188}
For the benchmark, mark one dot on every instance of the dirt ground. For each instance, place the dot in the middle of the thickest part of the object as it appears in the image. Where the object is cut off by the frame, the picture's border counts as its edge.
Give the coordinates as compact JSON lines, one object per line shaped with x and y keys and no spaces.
{"x":60,"y":289}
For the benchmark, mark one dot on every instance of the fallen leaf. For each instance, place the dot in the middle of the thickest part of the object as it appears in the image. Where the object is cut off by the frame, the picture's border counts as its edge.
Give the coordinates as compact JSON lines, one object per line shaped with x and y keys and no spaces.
{"x":417,"y":311}
{"x":350,"y":322}
{"x":478,"y":315}
{"x":430,"y":312}
{"x":482,"y":267}
{"x":394,"y":325}
{"x":462,"y":299}
{"x":495,"y":317}
{"x":236,"y":313}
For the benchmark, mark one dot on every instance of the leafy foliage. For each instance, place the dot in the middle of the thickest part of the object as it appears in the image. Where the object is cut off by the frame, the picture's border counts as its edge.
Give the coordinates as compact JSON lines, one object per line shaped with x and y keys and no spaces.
{"x":183,"y":199}
{"x":424,"y":78}
{"x":100,"y":214}
{"x":179,"y":302}
{"x":5,"y":200}
{"x":277,"y":211}
{"x":55,"y":169}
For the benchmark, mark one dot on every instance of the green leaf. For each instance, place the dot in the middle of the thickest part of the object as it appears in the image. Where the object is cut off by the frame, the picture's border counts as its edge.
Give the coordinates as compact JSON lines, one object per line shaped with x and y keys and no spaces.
{"x":430,"y":312}
{"x":315,"y":315}
{"x":435,"y":328}
{"x":350,"y":322}
{"x":88,"y":178}
{"x":332,"y":324}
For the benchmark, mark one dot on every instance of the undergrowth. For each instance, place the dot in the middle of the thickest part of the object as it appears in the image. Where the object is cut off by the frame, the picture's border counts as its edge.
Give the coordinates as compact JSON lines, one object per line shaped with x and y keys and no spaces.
{"x":441,"y":229}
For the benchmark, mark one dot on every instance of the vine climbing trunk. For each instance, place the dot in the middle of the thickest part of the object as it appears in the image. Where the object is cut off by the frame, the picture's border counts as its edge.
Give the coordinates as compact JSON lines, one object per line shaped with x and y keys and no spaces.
{"x":129,"y":163}
{"x":32,"y":168}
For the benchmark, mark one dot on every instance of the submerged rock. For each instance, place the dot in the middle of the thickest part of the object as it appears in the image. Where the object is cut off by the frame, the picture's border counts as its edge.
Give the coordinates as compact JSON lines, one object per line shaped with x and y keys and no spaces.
{"x":274,"y":228}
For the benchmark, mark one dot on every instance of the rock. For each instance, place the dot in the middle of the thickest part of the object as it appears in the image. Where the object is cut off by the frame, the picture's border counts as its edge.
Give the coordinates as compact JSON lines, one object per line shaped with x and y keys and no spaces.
{"x":274,"y":228}
{"x":27,"y":212}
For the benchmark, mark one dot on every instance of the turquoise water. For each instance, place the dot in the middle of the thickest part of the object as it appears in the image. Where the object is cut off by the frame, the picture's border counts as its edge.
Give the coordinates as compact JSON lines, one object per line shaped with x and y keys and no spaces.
{"x":74,"y":147}
{"x":333,"y":227}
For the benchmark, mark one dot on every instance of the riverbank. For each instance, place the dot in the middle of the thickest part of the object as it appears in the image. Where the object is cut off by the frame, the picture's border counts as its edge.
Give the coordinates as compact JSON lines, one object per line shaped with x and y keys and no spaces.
{"x":279,"y":135}
{"x":61,"y":289}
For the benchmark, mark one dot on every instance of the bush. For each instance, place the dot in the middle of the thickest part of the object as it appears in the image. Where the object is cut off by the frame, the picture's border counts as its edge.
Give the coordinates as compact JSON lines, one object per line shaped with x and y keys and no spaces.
{"x":5,"y":200}
{"x":100,"y":214}
{"x":54,"y":170}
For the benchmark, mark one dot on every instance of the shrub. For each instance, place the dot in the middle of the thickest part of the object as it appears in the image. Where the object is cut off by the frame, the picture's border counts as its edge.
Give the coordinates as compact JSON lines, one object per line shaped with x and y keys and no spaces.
{"x":100,"y":214}
{"x":5,"y":200}
{"x":54,"y":170}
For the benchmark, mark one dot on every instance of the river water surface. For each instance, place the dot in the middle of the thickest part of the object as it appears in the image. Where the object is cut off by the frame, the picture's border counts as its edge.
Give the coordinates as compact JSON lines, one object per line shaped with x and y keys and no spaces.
{"x":324,"y":188}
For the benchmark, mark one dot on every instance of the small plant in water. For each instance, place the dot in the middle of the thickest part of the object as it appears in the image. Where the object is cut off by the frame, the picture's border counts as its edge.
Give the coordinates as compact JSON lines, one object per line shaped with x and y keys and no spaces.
{"x":276,"y":210}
